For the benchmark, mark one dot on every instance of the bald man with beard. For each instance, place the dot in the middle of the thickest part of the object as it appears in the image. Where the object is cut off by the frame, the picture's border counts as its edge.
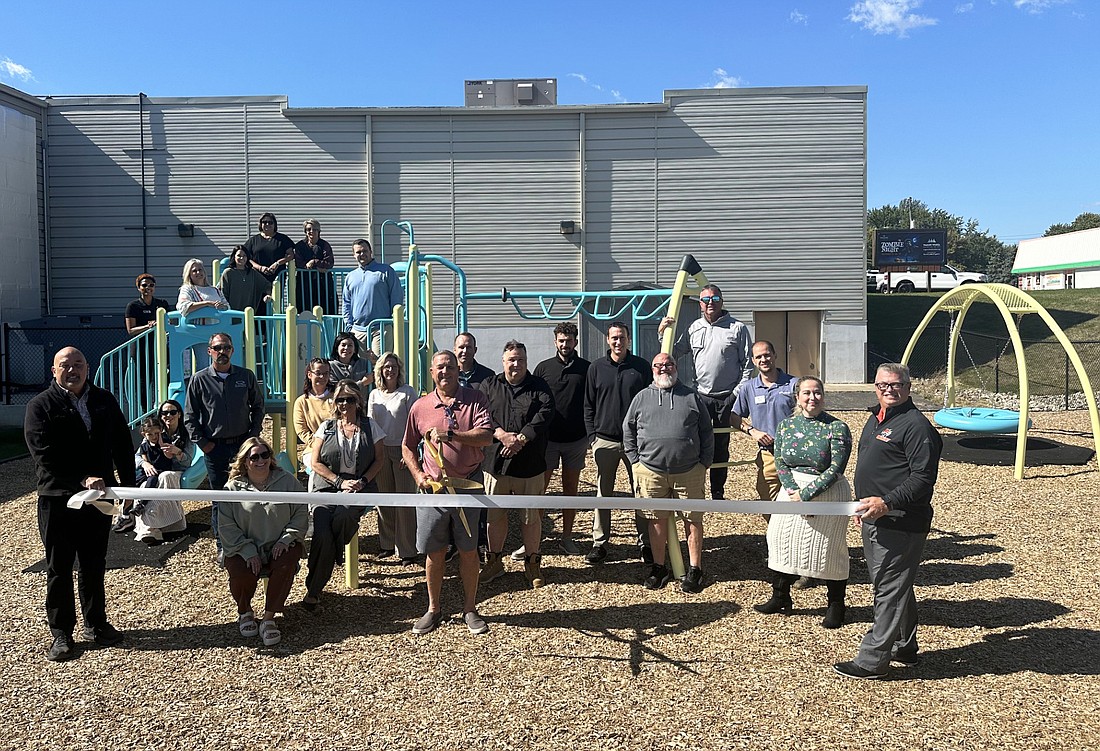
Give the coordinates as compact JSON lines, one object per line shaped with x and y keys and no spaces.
{"x":78,"y":440}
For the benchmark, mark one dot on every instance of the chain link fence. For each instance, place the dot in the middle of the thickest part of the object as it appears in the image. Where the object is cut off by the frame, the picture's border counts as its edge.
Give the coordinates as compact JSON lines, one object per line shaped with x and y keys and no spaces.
{"x":27,"y":350}
{"x":985,"y":366}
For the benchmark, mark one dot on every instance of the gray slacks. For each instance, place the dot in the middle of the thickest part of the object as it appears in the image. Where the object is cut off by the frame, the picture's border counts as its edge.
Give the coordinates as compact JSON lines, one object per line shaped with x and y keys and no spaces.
{"x":892,"y":560}
{"x":607,"y":455}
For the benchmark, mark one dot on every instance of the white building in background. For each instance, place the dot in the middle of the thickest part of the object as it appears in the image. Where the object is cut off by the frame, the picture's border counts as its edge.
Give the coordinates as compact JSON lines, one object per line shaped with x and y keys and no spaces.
{"x":765,"y":187}
{"x":1066,"y":261}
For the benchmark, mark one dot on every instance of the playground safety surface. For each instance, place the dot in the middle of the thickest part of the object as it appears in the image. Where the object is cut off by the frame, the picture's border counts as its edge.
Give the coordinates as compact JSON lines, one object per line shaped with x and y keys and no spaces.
{"x":1008,"y":597}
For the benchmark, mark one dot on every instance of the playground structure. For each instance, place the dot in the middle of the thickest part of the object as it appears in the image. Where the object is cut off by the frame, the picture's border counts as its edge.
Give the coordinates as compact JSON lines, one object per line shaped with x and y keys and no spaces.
{"x":1009,"y":301}
{"x":279,"y":345}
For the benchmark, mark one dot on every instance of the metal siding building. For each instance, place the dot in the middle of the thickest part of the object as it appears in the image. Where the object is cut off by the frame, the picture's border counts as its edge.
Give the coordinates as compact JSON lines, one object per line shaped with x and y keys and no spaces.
{"x":765,"y":187}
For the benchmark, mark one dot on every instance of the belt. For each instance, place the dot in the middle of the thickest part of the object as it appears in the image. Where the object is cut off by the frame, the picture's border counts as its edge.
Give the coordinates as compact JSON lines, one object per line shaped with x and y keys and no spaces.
{"x":228,"y":441}
{"x":718,"y":394}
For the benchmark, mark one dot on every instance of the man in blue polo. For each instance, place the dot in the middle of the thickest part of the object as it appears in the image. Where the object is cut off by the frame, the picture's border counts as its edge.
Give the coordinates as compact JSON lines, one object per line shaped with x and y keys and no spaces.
{"x":765,"y":400}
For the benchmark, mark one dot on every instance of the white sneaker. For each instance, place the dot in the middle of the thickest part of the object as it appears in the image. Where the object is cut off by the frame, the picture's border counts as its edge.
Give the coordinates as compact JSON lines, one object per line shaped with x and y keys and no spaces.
{"x":519,"y":553}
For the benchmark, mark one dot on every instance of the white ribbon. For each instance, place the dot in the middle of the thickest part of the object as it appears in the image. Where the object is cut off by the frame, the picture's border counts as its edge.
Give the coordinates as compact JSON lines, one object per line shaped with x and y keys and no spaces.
{"x":479,"y":500}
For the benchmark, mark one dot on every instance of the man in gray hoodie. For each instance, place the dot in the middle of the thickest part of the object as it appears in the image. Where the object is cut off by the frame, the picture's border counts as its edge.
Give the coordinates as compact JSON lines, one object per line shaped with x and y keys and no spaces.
{"x":669,"y":440}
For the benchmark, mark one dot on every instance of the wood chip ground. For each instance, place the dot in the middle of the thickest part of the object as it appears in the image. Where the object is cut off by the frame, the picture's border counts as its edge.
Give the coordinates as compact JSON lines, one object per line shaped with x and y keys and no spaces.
{"x":1008,"y":595}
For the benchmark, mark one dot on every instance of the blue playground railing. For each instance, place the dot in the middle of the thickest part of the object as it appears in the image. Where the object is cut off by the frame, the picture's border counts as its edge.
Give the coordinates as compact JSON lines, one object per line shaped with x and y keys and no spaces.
{"x":129,"y":372}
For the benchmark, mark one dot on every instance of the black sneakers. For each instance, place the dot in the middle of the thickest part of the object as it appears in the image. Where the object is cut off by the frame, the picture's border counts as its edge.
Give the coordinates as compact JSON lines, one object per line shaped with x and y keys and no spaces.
{"x":105,"y":635}
{"x":658,"y":577}
{"x":851,"y":670}
{"x":596,"y":554}
{"x":61,"y":649}
{"x":692,"y":583}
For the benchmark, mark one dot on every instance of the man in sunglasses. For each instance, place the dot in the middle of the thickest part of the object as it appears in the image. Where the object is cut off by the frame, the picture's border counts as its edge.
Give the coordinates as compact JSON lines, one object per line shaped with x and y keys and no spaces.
{"x":720,"y":348}
{"x":899,"y":460}
{"x":224,"y":407}
{"x":453,"y":422}
{"x":141,"y":316}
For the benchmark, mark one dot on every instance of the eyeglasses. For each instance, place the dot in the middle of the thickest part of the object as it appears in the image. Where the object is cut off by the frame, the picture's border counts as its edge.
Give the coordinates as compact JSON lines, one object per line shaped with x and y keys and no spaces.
{"x":710,"y":298}
{"x":664,"y":366}
{"x":263,"y":456}
{"x":221,"y":348}
{"x":345,"y":400}
{"x":891,"y":386}
{"x":168,"y":412}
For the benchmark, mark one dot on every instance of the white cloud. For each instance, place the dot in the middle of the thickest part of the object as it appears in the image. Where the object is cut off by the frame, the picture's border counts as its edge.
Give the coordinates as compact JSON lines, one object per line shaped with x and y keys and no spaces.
{"x":615,"y":93}
{"x":11,"y":69}
{"x":797,"y":17}
{"x":1037,"y":6}
{"x":889,"y":16}
{"x":964,"y":8}
{"x":724,"y":80}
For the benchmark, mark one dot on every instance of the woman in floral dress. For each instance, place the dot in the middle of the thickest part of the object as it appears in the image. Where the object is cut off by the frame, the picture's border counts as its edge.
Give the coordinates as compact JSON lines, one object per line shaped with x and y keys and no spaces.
{"x":811,"y":451}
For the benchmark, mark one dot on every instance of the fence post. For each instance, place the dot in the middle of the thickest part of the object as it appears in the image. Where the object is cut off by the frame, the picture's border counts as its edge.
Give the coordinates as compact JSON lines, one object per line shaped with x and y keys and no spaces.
{"x":5,"y":357}
{"x":1066,"y":359}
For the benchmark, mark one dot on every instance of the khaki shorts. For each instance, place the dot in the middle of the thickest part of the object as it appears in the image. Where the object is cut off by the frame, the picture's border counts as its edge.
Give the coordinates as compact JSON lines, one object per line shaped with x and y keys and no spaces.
{"x":690,"y":484}
{"x":504,"y":485}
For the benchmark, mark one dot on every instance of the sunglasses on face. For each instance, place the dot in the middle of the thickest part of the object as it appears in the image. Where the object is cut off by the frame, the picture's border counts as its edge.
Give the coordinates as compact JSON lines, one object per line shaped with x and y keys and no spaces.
{"x":263,"y":456}
{"x":345,"y":400}
{"x":168,"y":412}
{"x":710,"y":298}
{"x":148,"y":284}
{"x":267,"y":221}
{"x":222,"y":348}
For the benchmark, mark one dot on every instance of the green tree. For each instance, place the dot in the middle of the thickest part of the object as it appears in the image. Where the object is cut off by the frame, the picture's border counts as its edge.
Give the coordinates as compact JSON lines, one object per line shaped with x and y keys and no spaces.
{"x":1087,"y":220}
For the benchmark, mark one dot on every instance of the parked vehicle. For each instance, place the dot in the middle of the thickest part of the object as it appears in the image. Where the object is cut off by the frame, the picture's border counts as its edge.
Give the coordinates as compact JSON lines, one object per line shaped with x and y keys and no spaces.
{"x":908,"y":279}
{"x":873,"y":280}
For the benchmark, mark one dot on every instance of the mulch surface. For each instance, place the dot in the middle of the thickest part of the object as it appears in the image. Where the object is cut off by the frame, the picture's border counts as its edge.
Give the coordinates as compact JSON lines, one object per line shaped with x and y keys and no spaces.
{"x":1008,"y":596}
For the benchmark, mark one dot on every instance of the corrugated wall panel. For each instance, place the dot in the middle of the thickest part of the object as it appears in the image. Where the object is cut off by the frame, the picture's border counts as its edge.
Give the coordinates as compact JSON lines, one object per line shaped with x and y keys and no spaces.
{"x":768,"y":193}
{"x":94,"y":165}
{"x":14,"y":99}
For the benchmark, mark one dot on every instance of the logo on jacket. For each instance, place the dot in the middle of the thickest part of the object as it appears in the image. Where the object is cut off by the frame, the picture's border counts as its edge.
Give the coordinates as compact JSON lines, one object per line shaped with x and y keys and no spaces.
{"x":884,"y":435}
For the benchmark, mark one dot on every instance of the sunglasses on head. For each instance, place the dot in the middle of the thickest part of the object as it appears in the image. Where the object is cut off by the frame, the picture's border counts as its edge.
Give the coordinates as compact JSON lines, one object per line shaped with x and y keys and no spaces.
{"x":710,"y":298}
{"x":263,"y":456}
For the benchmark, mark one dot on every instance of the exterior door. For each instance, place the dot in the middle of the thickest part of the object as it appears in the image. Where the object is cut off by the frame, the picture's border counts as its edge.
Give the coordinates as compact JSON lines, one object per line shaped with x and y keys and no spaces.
{"x":796,"y":335}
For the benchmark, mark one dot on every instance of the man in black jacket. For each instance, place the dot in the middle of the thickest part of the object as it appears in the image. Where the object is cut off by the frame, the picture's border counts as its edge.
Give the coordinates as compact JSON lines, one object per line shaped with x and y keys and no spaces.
{"x":79,"y":440}
{"x":612,"y":382}
{"x":522,"y":407}
{"x":899,"y":459}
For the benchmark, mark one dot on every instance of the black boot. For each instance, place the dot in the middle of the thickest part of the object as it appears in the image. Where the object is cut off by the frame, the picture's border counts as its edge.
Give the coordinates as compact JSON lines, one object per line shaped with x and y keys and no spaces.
{"x":780,"y":601}
{"x":834,"y":614}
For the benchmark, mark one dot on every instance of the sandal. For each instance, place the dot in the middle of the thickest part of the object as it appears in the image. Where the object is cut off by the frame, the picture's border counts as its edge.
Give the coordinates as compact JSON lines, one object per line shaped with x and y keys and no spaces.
{"x":247,"y":624}
{"x":270,"y":633}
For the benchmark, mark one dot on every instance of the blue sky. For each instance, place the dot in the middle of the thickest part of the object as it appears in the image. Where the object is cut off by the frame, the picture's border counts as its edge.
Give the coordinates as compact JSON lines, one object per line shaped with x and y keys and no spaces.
{"x":987,"y":109}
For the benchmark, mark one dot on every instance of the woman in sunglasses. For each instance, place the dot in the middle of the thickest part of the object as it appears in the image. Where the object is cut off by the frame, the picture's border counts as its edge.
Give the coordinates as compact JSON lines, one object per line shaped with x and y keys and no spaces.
{"x":259,"y":538}
{"x":314,"y":405}
{"x":347,"y":456}
{"x":159,"y":516}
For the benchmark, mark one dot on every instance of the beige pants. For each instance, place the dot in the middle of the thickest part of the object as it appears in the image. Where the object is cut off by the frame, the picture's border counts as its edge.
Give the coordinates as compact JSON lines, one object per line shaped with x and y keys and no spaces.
{"x":767,"y":476}
{"x":504,"y":485}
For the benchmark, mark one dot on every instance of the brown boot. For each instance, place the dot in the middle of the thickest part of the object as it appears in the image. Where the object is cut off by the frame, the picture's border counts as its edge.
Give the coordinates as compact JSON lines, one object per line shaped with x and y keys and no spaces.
{"x":532,"y":568}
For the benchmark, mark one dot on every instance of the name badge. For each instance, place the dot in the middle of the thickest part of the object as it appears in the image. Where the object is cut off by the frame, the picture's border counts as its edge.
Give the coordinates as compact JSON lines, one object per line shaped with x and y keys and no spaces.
{"x":761,"y":398}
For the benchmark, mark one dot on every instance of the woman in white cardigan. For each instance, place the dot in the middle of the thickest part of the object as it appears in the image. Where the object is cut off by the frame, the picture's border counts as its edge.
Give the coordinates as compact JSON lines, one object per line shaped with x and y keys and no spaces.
{"x":811,"y":451}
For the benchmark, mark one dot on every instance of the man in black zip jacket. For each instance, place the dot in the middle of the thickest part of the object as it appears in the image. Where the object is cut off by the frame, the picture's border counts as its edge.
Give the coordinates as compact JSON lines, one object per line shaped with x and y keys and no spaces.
{"x":79,"y":440}
{"x":610,"y":386}
{"x":899,"y":458}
